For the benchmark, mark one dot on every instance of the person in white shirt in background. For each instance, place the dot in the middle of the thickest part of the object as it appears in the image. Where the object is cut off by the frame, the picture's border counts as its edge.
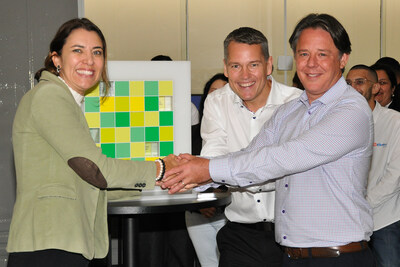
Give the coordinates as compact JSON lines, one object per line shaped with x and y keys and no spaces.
{"x":233,"y":115}
{"x":204,"y":224}
{"x":383,"y":191}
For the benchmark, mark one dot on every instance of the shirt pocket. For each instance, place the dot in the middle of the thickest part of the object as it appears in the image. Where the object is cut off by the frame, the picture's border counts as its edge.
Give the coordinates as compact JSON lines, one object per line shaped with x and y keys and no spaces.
{"x":57,"y":191}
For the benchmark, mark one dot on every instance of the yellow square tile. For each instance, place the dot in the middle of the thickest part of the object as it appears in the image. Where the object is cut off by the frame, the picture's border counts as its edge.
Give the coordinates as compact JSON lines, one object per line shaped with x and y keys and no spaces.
{"x":137,"y":103}
{"x":122,"y":103}
{"x":137,"y":118}
{"x":122,"y":135}
{"x":107,"y":135}
{"x":94,"y":92}
{"x":93,"y":120}
{"x":107,"y":104}
{"x":137,"y":150}
{"x":151,"y":118}
{"x":165,"y":88}
{"x":150,"y":158}
{"x":136,"y":88}
{"x":167,"y":133}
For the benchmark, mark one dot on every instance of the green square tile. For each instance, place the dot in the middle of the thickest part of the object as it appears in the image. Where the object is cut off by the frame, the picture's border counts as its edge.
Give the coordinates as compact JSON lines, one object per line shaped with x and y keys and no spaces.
{"x":138,"y":159}
{"x":151,"y":103}
{"x":151,"y":88}
{"x":123,"y":150}
{"x":151,"y":134}
{"x":108,"y":150}
{"x":137,"y":134}
{"x":107,"y":119}
{"x":122,"y":88}
{"x":122,"y":119}
{"x":166,"y":118}
{"x":166,"y":148}
{"x":92,"y":104}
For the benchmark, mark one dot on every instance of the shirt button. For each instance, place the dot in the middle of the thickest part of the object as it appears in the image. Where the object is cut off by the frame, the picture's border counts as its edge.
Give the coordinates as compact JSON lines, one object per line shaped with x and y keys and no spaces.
{"x":264,"y":220}
{"x":258,"y":200}
{"x":286,"y":185}
{"x":250,"y":182}
{"x":284,"y":237}
{"x":254,"y":118}
{"x":223,"y":181}
{"x":283,"y":211}
{"x":259,"y":190}
{"x":309,"y":112}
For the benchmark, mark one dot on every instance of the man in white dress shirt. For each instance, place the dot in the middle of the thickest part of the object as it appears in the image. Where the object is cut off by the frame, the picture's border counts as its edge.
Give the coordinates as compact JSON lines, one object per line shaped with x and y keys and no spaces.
{"x":383,"y":191}
{"x":233,"y":115}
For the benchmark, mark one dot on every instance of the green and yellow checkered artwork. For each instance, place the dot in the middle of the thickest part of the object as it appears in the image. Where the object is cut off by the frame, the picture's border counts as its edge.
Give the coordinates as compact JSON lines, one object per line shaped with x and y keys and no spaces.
{"x":135,"y":120}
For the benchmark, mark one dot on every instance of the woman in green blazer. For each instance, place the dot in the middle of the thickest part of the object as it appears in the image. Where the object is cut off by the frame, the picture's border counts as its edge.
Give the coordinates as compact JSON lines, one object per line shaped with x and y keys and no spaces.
{"x":60,"y":213}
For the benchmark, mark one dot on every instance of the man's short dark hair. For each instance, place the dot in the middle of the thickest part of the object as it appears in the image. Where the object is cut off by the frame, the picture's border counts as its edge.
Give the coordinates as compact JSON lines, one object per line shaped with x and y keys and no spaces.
{"x":247,"y":35}
{"x":370,"y":70}
{"x":327,"y":23}
{"x":161,"y":58}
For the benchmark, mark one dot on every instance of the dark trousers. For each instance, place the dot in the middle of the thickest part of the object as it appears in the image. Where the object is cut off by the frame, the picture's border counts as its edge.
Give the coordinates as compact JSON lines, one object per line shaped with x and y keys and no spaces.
{"x":240,"y":246}
{"x":385,"y":245}
{"x":362,"y":258}
{"x":47,"y":258}
{"x":164,"y":241}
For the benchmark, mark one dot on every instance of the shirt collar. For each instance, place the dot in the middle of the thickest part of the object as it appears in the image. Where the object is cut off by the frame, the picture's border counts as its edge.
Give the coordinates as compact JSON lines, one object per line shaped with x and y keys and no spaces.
{"x":329,"y":96}
{"x":78,"y":97}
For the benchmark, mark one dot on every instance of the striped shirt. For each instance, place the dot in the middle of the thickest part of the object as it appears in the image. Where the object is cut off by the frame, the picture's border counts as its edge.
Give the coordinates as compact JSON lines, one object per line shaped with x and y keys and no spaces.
{"x":320,"y":154}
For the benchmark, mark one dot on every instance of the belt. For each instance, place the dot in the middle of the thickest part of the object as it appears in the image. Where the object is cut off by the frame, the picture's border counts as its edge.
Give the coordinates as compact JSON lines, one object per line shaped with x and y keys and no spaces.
{"x":260,"y":226}
{"x":324,"y":252}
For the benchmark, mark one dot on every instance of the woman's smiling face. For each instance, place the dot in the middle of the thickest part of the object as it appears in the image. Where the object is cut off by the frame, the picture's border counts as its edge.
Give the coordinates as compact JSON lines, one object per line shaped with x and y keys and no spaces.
{"x":81,"y":61}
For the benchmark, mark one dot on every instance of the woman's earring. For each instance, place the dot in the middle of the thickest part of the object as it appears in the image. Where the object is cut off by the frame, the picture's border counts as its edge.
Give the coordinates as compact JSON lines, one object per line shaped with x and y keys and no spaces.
{"x":58,"y":68}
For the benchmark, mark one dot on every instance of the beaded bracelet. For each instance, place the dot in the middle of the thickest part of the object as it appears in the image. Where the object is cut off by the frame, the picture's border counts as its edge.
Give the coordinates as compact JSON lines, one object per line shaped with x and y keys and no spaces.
{"x":162,"y":169}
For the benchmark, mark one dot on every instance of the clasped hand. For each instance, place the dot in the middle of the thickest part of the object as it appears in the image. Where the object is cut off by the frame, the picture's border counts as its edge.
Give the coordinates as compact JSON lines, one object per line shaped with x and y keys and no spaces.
{"x":184,"y":172}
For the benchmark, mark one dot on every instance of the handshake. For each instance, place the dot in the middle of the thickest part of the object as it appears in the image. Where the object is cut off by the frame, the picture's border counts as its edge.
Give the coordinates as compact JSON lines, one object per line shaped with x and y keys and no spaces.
{"x":184,"y":172}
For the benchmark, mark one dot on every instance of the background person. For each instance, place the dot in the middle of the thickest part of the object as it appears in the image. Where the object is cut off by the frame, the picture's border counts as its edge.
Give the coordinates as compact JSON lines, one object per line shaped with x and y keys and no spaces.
{"x":387,"y":84}
{"x":204,"y":224}
{"x":164,"y":236}
{"x":395,"y":67}
{"x":383,"y":191}
{"x":393,"y":64}
{"x":214,"y":83}
{"x":60,"y":213}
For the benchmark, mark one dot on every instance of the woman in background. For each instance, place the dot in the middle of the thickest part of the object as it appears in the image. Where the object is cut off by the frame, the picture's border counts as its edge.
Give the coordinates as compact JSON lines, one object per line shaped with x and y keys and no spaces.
{"x":387,"y":84}
{"x":60,"y":213}
{"x":216,"y":82}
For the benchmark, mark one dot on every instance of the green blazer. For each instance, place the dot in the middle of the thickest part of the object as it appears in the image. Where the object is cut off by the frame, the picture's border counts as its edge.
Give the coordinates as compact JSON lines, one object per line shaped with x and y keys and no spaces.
{"x":55,"y":207}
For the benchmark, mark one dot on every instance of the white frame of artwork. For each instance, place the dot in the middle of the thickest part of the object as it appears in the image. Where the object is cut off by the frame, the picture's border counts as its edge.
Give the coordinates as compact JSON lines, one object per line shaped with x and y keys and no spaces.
{"x":176,"y":71}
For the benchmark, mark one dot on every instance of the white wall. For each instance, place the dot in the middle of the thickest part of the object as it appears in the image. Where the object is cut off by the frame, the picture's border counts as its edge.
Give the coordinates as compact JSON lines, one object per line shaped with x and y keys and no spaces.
{"x":137,"y":30}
